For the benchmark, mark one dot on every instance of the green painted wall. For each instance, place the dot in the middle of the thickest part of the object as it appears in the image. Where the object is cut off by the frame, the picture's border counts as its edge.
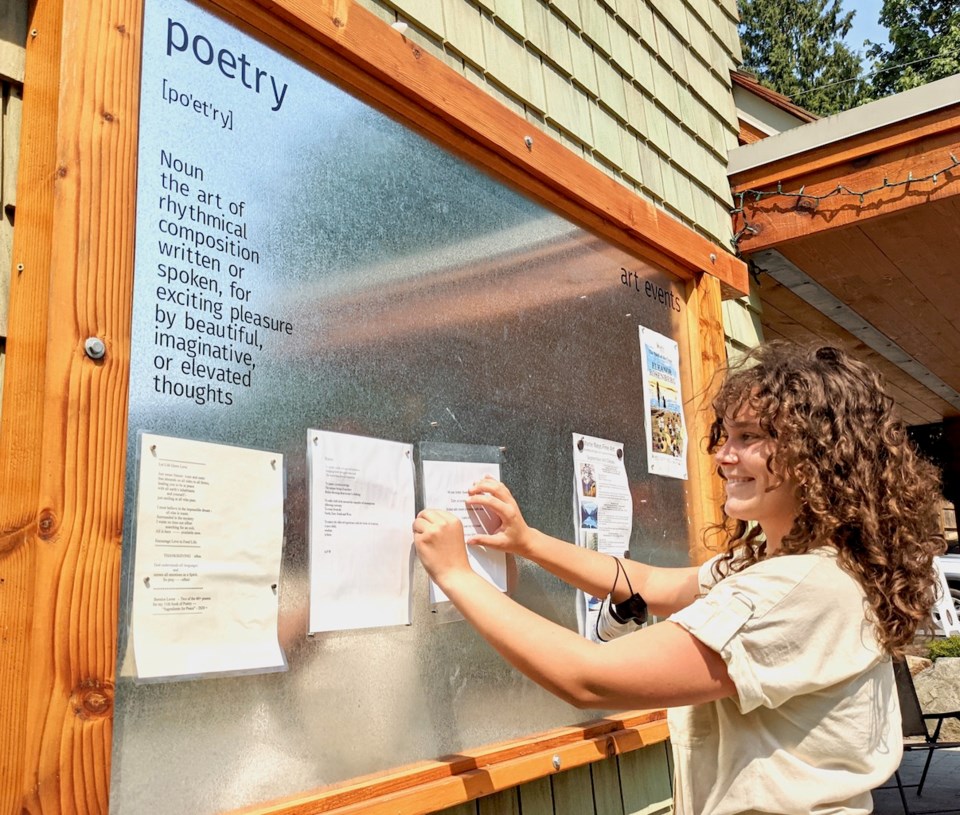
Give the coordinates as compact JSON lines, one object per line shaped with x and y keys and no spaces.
{"x":640,"y":88}
{"x":636,"y":783}
{"x":741,"y":323}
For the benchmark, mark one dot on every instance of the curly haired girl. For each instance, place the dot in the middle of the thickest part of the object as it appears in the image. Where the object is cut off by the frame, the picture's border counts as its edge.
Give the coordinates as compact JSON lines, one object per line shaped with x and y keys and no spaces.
{"x":775,"y":657}
{"x":861,"y":486}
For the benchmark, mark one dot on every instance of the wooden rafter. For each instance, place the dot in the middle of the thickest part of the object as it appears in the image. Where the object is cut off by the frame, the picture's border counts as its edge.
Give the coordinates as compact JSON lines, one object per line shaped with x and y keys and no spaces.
{"x":917,"y":148}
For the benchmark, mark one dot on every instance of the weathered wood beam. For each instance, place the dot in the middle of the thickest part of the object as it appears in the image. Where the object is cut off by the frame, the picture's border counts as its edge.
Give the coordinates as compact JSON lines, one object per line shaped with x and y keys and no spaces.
{"x":434,"y":785}
{"x":920,"y":148}
{"x":62,"y":445}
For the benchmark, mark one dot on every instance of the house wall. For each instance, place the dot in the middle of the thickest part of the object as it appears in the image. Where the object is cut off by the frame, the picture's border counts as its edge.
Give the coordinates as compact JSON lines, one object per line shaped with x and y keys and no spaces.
{"x":639,"y":88}
{"x":741,"y":323}
{"x":13,"y":33}
{"x":766,"y":117}
{"x":636,"y":783}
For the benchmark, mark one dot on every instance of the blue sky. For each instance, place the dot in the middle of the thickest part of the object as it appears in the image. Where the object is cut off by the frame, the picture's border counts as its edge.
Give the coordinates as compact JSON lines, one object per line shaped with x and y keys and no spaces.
{"x":865,"y":26}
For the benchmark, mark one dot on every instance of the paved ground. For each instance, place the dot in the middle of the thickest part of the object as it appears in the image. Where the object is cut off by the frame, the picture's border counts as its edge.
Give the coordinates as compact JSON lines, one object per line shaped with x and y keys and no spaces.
{"x":941,"y":792}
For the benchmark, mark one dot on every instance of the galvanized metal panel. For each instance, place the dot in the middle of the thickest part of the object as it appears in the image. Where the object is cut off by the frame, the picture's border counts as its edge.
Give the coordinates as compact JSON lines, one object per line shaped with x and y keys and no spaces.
{"x":429,"y":303}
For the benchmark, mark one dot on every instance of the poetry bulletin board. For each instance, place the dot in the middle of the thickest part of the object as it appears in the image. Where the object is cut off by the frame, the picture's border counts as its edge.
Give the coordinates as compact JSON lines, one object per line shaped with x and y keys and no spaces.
{"x":307,"y":266}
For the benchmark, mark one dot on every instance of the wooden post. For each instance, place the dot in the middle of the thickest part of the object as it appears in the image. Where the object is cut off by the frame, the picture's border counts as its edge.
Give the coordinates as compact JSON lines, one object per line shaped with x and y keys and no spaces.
{"x":62,"y":442}
{"x":708,"y":357}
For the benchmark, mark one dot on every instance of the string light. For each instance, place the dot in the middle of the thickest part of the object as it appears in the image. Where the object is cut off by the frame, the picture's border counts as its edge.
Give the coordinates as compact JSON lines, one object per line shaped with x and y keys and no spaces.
{"x":742,"y":198}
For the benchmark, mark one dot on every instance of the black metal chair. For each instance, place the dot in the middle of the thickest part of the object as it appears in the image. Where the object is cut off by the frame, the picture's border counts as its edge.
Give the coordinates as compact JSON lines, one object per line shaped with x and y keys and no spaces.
{"x":915,"y":733}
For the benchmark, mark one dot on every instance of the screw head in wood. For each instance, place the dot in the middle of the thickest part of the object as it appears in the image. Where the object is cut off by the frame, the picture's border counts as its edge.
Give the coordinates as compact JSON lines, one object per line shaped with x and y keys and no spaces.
{"x":94,"y":348}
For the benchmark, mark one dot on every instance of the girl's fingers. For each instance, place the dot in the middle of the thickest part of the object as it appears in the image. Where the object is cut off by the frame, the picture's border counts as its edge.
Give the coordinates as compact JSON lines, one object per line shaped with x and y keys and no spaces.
{"x":490,"y":502}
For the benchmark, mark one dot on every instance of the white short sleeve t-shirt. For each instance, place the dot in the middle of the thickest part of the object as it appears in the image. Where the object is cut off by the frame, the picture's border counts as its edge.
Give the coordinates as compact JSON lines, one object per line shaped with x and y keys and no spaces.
{"x":815,"y":722}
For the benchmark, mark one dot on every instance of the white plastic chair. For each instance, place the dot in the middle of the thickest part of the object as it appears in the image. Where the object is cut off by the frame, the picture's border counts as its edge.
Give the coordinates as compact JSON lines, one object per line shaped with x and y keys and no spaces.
{"x":945,"y":620}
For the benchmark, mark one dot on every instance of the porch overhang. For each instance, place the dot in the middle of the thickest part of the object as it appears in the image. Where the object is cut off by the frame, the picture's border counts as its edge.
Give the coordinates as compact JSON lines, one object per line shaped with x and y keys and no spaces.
{"x":851,"y":226}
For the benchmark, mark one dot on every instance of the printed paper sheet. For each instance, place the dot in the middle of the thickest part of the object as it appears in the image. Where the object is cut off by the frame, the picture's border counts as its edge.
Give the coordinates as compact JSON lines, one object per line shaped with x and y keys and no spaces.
{"x":362,"y":507}
{"x":445,"y":485}
{"x":603,"y":509}
{"x":209,"y":538}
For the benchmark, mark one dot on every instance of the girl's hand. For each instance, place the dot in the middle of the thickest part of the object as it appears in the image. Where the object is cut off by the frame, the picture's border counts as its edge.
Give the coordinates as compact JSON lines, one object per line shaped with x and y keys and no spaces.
{"x":438,"y":536}
{"x":512,"y":534}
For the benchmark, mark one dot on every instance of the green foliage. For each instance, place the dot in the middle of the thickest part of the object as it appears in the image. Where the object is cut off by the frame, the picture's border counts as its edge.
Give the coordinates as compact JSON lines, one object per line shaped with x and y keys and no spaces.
{"x":924,"y":44}
{"x":796,"y":48}
{"x":949,"y":647}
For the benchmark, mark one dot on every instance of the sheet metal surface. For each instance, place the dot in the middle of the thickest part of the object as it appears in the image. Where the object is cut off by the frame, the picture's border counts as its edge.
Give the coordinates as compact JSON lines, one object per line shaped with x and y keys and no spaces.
{"x":429,"y":303}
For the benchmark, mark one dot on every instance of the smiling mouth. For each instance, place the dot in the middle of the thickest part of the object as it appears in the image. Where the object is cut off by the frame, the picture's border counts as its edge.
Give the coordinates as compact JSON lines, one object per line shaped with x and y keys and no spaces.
{"x":732,"y":480}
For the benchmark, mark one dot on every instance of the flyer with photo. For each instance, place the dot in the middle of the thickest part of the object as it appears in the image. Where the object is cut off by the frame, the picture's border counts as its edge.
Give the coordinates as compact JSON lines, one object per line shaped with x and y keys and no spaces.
{"x":666,"y":430}
{"x":602,"y":509}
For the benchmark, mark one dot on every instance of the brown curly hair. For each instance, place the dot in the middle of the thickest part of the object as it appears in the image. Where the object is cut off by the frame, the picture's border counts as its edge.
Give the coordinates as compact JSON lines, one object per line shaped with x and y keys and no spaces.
{"x":859,"y":482}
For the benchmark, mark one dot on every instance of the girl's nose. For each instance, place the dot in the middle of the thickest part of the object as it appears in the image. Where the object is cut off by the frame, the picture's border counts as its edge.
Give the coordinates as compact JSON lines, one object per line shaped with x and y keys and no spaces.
{"x":725,"y":454}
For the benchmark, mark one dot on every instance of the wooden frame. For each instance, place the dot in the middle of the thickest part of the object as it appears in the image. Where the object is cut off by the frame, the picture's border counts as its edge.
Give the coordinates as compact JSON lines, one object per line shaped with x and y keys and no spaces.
{"x":433,"y":785}
{"x":62,"y":445}
{"x":921,"y":146}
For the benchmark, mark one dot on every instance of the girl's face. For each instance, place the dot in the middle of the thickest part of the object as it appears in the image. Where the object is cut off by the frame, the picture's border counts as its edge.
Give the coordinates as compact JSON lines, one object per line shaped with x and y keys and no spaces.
{"x":753,"y":492}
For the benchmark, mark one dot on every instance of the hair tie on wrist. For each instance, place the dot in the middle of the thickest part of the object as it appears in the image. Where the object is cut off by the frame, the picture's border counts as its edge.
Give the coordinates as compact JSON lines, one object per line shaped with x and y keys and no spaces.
{"x":634,"y":608}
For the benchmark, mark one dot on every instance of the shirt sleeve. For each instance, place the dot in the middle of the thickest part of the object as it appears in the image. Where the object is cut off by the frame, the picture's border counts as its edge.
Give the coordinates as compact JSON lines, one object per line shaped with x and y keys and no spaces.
{"x":705,"y":576}
{"x":785,"y":626}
